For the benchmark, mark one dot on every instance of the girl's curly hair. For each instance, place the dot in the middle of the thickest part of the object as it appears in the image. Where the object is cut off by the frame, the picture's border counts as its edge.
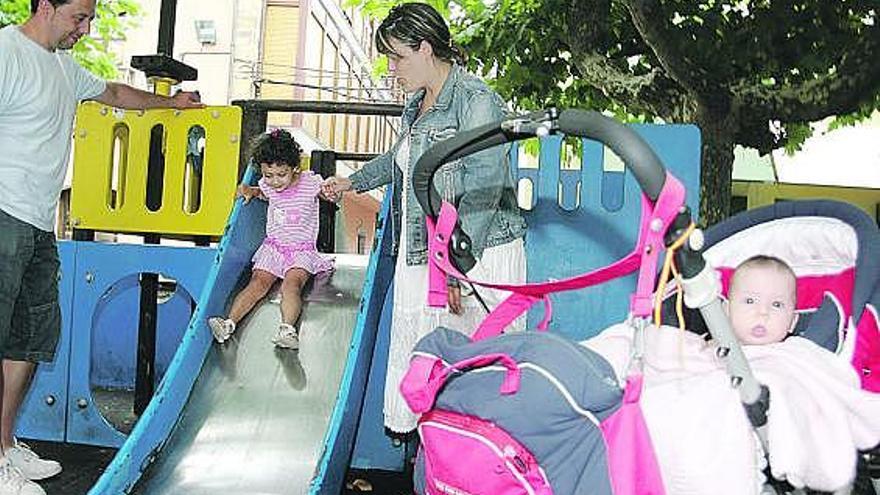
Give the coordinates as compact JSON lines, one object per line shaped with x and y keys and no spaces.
{"x":276,"y":146}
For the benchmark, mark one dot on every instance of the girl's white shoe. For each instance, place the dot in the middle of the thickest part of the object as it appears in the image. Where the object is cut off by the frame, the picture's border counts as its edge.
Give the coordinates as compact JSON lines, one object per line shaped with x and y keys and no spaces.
{"x":222,"y":328}
{"x":287,"y":337}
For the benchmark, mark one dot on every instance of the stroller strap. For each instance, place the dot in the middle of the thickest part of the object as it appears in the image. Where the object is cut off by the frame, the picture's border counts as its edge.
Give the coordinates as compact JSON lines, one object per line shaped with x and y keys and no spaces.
{"x":655,"y":220}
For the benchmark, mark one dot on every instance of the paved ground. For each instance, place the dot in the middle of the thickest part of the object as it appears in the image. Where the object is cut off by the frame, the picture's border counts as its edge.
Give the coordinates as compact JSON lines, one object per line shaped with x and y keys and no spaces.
{"x":83,"y":464}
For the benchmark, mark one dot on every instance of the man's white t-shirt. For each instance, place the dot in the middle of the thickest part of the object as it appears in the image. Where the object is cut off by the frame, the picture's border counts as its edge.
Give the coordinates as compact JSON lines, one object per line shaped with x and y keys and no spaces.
{"x":39,"y":92}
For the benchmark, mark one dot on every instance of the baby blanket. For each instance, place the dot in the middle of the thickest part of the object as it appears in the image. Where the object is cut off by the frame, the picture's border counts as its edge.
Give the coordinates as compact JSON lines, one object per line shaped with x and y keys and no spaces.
{"x":818,"y":417}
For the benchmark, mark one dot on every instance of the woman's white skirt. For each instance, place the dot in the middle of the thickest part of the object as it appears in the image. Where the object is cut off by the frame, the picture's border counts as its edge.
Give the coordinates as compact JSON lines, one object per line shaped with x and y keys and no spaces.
{"x":412,"y":319}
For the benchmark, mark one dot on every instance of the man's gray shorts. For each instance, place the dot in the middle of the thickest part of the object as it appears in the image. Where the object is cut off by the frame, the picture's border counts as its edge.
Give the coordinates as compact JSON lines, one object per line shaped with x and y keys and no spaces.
{"x":30,"y":316}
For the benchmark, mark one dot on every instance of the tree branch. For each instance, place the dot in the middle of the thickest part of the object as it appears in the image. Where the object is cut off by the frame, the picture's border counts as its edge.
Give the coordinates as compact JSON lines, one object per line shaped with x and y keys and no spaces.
{"x":653,"y":24}
{"x":651,"y":93}
{"x":855,"y":81}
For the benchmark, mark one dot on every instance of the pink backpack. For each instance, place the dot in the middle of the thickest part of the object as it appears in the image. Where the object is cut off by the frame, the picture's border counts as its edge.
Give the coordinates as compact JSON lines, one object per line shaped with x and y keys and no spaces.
{"x":507,"y":467}
{"x":531,"y":413}
{"x":525,"y":413}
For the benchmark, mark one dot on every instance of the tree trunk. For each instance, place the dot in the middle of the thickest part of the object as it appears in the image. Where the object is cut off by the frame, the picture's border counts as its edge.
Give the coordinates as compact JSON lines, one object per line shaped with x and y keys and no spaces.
{"x":717,"y":168}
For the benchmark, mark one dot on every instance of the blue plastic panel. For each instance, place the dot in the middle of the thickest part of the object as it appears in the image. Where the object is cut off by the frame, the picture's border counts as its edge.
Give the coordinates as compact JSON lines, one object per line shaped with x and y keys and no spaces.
{"x":344,"y":424}
{"x":244,"y":232}
{"x":100,"y":268}
{"x":115,"y":332}
{"x":588,"y":218}
{"x":373,"y":448}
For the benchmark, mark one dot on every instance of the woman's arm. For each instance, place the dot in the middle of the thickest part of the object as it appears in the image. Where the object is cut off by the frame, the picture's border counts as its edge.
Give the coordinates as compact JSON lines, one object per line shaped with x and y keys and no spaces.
{"x":485,"y":173}
{"x":374,"y":173}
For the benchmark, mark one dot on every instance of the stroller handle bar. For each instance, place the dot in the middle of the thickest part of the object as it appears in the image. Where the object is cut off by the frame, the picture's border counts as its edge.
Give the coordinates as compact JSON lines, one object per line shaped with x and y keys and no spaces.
{"x":639,"y":158}
{"x":649,"y":173}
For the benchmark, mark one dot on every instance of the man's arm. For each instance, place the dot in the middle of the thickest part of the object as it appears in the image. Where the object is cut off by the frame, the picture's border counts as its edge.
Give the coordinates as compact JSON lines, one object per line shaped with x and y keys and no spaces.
{"x":124,"y":96}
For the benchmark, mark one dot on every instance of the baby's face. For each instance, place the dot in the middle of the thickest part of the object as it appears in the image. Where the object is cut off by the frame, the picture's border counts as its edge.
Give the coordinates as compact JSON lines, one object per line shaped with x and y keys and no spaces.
{"x":278,"y":176}
{"x":762,"y":304}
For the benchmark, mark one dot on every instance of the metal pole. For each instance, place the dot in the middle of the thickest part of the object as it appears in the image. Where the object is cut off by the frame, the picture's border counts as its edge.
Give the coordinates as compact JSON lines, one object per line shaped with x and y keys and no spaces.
{"x":323,"y":163}
{"x":167,"y":19}
{"x":145,"y":374}
{"x":384,"y":109}
{"x":253,"y":123}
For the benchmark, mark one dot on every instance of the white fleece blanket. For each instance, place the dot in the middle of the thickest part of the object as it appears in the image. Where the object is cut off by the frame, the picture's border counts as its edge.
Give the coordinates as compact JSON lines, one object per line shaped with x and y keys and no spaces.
{"x":818,"y":416}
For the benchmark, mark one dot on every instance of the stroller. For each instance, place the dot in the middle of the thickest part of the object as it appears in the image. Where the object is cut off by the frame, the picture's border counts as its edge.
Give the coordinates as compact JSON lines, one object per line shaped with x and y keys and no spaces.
{"x":447,"y":369}
{"x":834,"y":250}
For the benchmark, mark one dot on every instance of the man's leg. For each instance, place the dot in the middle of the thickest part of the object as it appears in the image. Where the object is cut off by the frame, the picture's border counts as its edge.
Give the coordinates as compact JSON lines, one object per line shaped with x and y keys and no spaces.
{"x":32,"y":338}
{"x":17,"y":253}
{"x":16,"y":381}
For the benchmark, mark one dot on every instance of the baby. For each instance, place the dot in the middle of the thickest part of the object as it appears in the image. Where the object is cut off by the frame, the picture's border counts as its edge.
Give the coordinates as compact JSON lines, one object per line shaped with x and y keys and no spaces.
{"x":762,"y":299}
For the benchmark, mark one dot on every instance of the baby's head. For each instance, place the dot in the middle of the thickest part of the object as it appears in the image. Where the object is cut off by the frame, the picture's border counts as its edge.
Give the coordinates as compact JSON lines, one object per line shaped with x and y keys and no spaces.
{"x":762,"y":300}
{"x":277,"y":155}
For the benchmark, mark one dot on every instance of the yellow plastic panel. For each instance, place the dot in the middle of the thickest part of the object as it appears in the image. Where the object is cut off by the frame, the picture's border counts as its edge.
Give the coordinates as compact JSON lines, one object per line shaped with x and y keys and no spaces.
{"x":761,"y":194}
{"x":116,"y":202}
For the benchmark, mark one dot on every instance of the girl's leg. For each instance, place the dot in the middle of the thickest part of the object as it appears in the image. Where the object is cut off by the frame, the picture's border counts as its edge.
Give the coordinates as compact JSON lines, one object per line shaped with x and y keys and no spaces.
{"x":291,"y":294}
{"x":291,"y":306}
{"x":259,"y":285}
{"x":257,"y":288}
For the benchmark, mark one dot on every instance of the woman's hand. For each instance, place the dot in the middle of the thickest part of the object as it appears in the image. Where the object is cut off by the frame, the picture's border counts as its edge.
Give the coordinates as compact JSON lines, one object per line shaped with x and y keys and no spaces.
{"x":248,"y":192}
{"x":453,"y":299}
{"x":333,"y":187}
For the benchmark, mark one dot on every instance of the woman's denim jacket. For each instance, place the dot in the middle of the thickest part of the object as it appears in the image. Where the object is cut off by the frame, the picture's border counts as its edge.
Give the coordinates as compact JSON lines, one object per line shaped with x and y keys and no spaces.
{"x":480,"y":185}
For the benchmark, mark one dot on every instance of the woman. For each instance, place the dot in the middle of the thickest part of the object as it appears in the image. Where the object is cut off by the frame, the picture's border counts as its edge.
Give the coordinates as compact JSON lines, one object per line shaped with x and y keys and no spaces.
{"x":442,"y":100}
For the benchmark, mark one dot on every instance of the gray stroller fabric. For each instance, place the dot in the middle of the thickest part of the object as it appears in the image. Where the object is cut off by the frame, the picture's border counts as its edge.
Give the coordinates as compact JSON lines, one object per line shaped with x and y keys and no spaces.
{"x":565,"y":391}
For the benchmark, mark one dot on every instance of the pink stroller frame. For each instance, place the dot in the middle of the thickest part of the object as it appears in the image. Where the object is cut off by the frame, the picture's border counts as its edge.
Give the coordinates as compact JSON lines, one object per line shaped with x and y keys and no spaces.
{"x":666,"y":221}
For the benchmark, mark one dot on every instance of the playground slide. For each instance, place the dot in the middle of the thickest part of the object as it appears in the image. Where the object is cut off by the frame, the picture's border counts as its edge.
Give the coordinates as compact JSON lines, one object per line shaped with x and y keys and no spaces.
{"x":244,"y":417}
{"x":256,"y":418}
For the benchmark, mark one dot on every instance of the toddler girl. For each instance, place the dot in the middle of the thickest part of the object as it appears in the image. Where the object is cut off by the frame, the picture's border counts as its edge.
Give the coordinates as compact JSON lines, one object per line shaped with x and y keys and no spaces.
{"x":288,"y":252}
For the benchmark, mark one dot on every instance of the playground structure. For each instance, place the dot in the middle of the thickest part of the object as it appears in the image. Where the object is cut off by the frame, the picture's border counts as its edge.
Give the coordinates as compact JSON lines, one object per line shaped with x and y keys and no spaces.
{"x":99,"y":337}
{"x":133,"y":175}
{"x":203,"y":388}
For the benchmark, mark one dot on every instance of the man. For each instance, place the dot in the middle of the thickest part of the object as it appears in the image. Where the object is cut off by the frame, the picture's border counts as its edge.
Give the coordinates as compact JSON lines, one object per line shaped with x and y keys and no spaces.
{"x":40,"y":86}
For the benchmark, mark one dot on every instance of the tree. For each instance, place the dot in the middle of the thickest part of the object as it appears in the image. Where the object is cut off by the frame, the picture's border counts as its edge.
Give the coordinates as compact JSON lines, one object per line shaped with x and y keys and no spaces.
{"x":113,"y":18}
{"x":748,"y":72}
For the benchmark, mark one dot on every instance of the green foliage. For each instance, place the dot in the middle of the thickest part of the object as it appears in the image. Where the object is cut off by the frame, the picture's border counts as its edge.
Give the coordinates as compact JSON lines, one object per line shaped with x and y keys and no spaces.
{"x":378,"y":9}
{"x":533,"y":50}
{"x":797,"y":134}
{"x":863,"y":113}
{"x":729,"y":66}
{"x":14,"y":11}
{"x":113,"y":18}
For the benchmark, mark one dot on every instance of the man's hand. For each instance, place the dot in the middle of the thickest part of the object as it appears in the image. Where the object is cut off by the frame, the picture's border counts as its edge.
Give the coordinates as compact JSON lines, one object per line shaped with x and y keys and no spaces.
{"x":248,"y":192}
{"x":124,"y":96}
{"x":333,"y":187}
{"x":187,"y":99}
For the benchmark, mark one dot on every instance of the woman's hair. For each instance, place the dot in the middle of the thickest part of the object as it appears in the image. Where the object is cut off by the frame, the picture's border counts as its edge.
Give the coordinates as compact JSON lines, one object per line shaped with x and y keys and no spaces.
{"x":412,"y":23}
{"x":276,"y":146}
